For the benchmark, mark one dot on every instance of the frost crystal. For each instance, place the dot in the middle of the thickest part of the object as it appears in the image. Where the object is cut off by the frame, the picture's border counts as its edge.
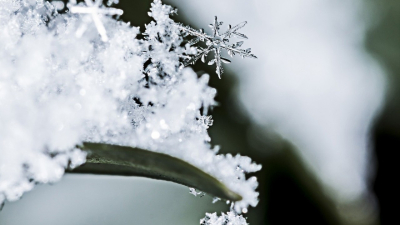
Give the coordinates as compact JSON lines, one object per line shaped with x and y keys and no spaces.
{"x":58,"y":90}
{"x":215,"y":199}
{"x":216,"y":43}
{"x":196,"y":193}
{"x":95,"y":10}
{"x":229,"y":218}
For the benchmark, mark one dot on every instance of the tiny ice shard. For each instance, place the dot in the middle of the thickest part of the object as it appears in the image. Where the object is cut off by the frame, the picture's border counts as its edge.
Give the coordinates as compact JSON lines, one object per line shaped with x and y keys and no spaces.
{"x":215,"y":199}
{"x":206,"y":121}
{"x":196,"y":193}
{"x":193,"y":191}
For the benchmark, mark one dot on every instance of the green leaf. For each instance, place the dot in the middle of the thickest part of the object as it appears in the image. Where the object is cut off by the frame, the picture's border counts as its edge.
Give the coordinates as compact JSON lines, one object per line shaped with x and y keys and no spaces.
{"x":109,"y":159}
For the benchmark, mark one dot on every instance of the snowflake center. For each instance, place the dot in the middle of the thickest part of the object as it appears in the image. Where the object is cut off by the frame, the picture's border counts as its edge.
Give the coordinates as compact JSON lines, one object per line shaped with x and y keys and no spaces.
{"x":217,"y":41}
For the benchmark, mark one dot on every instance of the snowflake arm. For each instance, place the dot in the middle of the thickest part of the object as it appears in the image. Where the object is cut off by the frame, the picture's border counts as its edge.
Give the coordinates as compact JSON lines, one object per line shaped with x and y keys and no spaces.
{"x":95,"y":10}
{"x":215,"y":27}
{"x":202,"y":53}
{"x":232,"y":30}
{"x":244,"y":53}
{"x":198,"y":33}
{"x":216,"y":43}
{"x":217,"y":62}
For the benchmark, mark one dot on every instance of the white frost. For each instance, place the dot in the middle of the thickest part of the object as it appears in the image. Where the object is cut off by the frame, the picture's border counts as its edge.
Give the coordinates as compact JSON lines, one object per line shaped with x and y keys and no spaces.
{"x":230,"y":218}
{"x":95,"y":10}
{"x":58,"y":90}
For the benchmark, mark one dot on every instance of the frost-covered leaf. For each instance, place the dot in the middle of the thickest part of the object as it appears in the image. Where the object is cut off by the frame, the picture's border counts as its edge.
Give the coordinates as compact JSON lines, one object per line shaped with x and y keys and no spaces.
{"x":109,"y":159}
{"x":58,"y":90}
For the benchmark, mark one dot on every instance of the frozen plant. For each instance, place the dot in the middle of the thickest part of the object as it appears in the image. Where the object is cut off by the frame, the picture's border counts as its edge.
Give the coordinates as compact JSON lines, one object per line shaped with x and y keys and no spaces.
{"x":59,"y":90}
{"x":216,"y":43}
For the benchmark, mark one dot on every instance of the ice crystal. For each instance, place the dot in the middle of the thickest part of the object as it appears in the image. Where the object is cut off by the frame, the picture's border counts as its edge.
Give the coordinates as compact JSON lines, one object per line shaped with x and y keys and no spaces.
{"x":215,"y":43}
{"x":95,"y":10}
{"x":58,"y":90}
{"x":196,"y":193}
{"x":215,"y":199}
{"x":230,"y":218}
{"x":206,"y":121}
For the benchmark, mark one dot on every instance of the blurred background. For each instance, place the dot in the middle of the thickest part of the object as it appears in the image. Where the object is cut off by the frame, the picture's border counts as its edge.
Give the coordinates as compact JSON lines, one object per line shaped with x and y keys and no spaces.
{"x":318,"y":109}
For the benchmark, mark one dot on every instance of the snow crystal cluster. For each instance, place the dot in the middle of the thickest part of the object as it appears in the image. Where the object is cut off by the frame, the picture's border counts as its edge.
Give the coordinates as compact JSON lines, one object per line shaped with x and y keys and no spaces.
{"x":85,"y":76}
{"x":229,"y":218}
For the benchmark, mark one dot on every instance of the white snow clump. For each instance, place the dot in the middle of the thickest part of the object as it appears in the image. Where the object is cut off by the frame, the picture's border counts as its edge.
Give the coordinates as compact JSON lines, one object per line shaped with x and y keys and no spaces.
{"x":230,"y":218}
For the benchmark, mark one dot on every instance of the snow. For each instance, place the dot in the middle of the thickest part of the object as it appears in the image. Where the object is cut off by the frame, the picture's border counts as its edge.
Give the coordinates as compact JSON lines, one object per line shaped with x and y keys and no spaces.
{"x":95,"y":10}
{"x":59,"y":89}
{"x":229,"y":218}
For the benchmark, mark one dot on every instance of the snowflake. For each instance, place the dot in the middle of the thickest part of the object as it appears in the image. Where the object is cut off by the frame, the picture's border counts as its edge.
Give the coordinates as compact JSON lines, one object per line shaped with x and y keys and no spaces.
{"x":94,"y":8}
{"x":216,"y":43}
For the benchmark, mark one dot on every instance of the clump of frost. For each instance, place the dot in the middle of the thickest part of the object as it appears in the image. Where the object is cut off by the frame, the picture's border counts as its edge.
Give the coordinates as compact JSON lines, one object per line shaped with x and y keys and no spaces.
{"x":230,"y":218}
{"x":59,"y":89}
